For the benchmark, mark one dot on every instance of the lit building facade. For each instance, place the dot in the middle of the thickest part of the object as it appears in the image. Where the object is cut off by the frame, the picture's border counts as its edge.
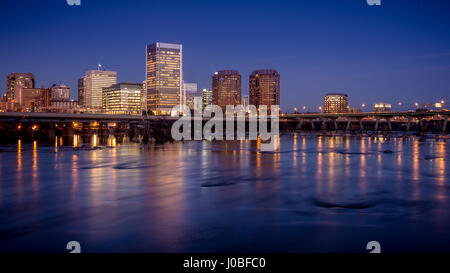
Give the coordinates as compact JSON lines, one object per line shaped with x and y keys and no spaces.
{"x":206,"y":97}
{"x":189,"y":93}
{"x":60,"y":92}
{"x":94,"y":82}
{"x":122,"y":98}
{"x":382,"y":107}
{"x":15,"y":83}
{"x":144,"y":96}
{"x":81,"y":91}
{"x":335,"y":103}
{"x":33,"y":99}
{"x":264,"y":88}
{"x":226,"y":88}
{"x":164,"y":76}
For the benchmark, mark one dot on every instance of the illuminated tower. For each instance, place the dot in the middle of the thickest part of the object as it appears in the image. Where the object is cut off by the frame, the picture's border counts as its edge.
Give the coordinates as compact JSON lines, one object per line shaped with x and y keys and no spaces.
{"x":226,"y":88}
{"x":164,"y":76}
{"x":264,"y":88}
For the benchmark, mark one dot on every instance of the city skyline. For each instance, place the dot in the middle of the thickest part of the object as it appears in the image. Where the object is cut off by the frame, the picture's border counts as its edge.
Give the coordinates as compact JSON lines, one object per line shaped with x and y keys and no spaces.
{"x":314,"y":54}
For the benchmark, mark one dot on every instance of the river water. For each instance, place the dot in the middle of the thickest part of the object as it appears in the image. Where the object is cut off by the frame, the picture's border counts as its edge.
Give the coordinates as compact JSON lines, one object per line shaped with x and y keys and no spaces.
{"x":316,"y":194}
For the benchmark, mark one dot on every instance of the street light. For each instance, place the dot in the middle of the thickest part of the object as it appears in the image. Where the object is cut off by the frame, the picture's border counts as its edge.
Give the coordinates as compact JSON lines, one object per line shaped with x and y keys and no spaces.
{"x":320,"y":108}
{"x":417,"y":105}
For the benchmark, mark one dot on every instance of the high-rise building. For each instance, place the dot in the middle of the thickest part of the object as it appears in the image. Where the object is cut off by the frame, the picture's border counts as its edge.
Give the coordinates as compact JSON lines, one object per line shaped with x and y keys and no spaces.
{"x":206,"y":97}
{"x":15,"y":83}
{"x":335,"y":103}
{"x":95,"y":81}
{"x":164,"y":66}
{"x":144,"y":96}
{"x":122,"y":98}
{"x":60,"y":92}
{"x":226,"y":88}
{"x":81,"y":91}
{"x":264,"y":88}
{"x":189,"y":93}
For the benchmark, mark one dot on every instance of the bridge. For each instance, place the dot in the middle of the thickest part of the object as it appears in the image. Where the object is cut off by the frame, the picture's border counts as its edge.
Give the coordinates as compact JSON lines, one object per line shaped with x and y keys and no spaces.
{"x":434,"y":121}
{"x":30,"y":126}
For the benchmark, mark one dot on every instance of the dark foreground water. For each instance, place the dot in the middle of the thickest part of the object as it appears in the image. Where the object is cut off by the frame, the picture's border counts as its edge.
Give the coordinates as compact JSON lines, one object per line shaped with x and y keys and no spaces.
{"x":315,"y":195}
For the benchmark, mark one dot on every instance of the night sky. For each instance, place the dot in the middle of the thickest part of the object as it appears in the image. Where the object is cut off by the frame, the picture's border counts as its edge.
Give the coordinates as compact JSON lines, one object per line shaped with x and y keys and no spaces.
{"x":399,"y":51}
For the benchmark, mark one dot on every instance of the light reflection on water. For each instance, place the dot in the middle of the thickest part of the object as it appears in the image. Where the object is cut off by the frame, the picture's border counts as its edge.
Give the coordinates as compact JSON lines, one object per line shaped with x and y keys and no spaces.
{"x":317,"y":194}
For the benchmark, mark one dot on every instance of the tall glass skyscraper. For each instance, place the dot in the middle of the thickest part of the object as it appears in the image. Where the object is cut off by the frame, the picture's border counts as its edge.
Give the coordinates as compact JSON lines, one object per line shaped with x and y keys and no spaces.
{"x":226,"y":88}
{"x":164,"y":76}
{"x":264,"y":88}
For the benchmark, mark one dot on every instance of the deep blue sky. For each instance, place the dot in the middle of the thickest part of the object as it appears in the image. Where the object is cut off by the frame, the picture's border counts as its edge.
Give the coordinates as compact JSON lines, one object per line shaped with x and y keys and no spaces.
{"x":399,"y":51}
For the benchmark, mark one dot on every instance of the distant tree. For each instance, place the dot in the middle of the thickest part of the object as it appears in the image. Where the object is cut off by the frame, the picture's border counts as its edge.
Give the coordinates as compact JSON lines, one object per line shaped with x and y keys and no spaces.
{"x":144,"y":113}
{"x":150,"y":113}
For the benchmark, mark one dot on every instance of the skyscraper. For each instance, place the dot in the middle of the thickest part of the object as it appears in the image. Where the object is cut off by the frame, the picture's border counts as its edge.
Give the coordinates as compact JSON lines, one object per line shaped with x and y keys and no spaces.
{"x":206,"y":97}
{"x":226,"y":88}
{"x":189,"y":92}
{"x":144,"y":96}
{"x":164,"y":66}
{"x":94,"y":82}
{"x":122,"y":98}
{"x":81,"y":91}
{"x":264,"y":88}
{"x":335,"y":103}
{"x":15,"y":83}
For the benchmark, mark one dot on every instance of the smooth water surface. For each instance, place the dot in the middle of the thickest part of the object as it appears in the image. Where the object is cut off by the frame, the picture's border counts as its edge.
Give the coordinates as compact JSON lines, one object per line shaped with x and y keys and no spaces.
{"x":316,"y":194}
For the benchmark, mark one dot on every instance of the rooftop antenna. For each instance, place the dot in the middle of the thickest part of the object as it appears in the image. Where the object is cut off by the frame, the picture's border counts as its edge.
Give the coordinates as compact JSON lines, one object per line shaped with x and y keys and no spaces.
{"x":100,"y":67}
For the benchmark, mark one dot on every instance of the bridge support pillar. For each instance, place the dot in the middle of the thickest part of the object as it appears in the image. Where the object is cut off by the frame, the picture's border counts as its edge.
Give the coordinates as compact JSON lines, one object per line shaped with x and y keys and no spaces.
{"x":312,"y":125}
{"x":444,"y":127}
{"x":361,"y":126}
{"x":389,"y":124}
{"x":409,"y":124}
{"x":377,"y":122}
{"x":349,"y":123}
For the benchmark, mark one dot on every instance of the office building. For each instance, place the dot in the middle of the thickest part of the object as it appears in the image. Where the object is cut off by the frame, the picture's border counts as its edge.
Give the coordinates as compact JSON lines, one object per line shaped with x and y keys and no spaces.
{"x":60,"y":92}
{"x":15,"y":83}
{"x":189,"y":93}
{"x":164,"y":77}
{"x":335,"y":103}
{"x":264,"y":88}
{"x":33,"y":99}
{"x":206,"y":97}
{"x":93,"y":84}
{"x":81,"y":91}
{"x":382,"y":107}
{"x":144,"y":96}
{"x":122,"y":98}
{"x":226,"y":88}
